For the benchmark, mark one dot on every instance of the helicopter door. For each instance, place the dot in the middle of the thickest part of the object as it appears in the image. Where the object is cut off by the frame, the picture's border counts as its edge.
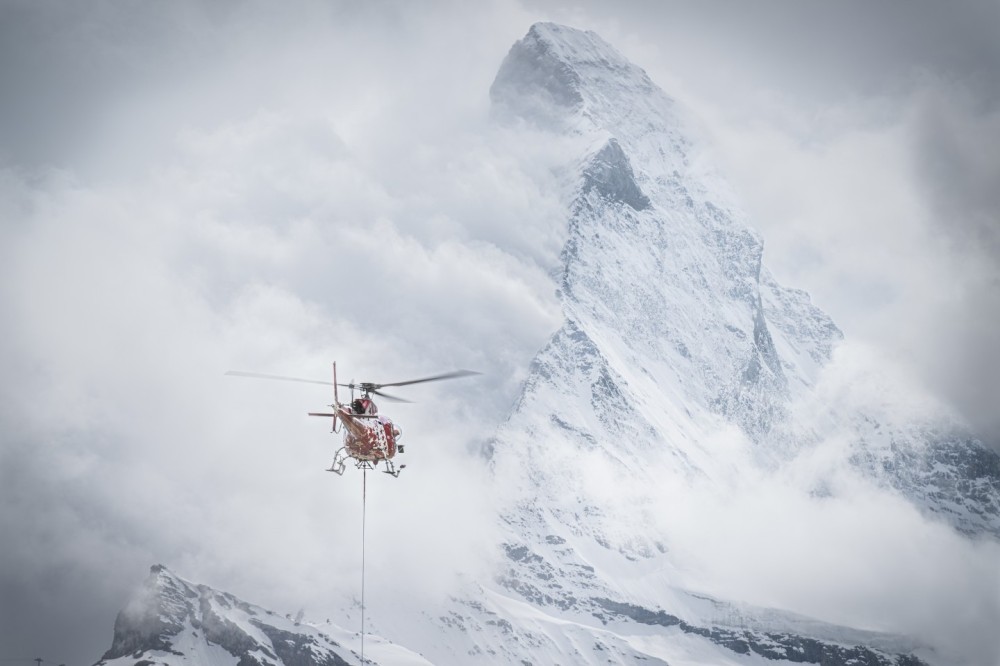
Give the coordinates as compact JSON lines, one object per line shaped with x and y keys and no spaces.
{"x":390,"y":437}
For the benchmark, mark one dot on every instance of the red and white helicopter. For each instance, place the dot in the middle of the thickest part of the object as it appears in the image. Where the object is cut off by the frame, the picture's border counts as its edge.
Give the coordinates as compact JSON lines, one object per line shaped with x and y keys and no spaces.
{"x":368,"y":437}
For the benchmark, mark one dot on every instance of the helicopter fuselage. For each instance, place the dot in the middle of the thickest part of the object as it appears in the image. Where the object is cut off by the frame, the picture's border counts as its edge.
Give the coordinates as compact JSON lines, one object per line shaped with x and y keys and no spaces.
{"x":367,"y":436}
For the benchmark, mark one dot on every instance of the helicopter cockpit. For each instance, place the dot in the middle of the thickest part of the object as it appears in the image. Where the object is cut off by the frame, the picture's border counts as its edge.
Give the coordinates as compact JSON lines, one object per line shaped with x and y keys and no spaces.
{"x":364,"y":406}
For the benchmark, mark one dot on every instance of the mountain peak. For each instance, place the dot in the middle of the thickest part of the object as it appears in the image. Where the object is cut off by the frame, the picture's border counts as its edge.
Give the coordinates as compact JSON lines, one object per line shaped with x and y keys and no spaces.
{"x":163,"y":578}
{"x":556,"y":74}
{"x":177,"y":622}
{"x":659,"y":266}
{"x":157,"y":610}
{"x":574,"y":46}
{"x":681,"y":363}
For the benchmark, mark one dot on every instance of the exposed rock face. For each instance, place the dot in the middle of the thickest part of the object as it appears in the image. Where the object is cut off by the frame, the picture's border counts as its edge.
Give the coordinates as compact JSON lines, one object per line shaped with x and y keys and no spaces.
{"x":156,"y":613}
{"x":536,"y":84}
{"x":610,"y":175}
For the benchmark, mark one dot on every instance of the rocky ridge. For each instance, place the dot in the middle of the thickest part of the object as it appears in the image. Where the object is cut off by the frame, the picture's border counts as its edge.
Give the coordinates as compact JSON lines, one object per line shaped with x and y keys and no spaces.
{"x":676,"y":342}
{"x":171,"y":622}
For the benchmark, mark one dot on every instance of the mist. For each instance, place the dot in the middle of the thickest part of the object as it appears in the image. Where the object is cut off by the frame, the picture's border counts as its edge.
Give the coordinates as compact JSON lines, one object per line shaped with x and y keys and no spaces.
{"x":189,"y":188}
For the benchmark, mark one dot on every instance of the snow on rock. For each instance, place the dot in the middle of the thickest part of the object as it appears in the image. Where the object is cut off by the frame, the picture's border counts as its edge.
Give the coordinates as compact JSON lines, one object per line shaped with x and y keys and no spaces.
{"x":673,"y":328}
{"x":680,"y":360}
{"x":171,"y":622}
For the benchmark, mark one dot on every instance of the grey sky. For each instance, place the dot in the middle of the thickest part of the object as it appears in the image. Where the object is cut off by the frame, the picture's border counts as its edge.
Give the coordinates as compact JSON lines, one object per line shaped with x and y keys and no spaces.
{"x":186,"y":188}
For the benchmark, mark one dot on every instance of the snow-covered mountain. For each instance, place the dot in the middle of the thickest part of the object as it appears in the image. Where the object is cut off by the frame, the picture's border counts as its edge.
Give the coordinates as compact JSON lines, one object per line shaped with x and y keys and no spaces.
{"x":681,"y":367}
{"x":681,"y":363}
{"x":672,"y":324}
{"x":170,"y":622}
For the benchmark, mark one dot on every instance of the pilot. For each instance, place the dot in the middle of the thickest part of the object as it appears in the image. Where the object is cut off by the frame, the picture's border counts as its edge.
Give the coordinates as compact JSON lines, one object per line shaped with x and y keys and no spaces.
{"x":363,"y":406}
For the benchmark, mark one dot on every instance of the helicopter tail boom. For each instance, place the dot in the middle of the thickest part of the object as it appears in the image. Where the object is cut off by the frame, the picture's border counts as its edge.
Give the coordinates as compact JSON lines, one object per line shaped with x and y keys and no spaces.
{"x":353,"y":422}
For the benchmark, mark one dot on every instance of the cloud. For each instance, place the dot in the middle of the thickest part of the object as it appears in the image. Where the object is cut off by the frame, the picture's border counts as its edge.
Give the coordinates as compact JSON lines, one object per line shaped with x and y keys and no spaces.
{"x":861,"y":138}
{"x":953,"y":135}
{"x":902,"y":252}
{"x":859,"y":560}
{"x":816,"y":536}
{"x":189,"y":188}
{"x":268,"y":200}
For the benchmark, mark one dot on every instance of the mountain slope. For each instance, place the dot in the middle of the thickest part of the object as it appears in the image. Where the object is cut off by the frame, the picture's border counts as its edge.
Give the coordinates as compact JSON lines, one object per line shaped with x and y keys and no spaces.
{"x":681,"y":369}
{"x":681,"y":363}
{"x":171,"y":622}
{"x":671,"y":322}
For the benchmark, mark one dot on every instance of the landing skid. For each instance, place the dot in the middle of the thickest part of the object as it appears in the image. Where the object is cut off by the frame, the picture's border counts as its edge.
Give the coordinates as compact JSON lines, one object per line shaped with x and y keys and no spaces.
{"x":339,"y":464}
{"x":390,"y":469}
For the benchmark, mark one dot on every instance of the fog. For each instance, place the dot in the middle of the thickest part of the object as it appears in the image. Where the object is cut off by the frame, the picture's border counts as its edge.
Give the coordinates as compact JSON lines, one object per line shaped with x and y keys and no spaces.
{"x":188,"y":188}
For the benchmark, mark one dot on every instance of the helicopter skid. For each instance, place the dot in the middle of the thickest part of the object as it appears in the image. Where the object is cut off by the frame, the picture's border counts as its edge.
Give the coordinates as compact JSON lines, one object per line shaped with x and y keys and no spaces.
{"x":390,"y":467}
{"x":338,"y":466}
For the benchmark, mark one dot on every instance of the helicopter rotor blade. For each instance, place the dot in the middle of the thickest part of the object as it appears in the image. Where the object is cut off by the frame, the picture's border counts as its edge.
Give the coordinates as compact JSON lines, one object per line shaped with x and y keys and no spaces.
{"x":363,"y":386}
{"x":447,"y":375}
{"x":390,"y":398}
{"x":257,"y":375}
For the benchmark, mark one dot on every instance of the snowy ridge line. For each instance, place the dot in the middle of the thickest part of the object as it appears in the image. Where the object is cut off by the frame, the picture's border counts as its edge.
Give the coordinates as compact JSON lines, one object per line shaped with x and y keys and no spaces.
{"x":664,"y":276}
{"x":170,"y":621}
{"x":769,"y":644}
{"x":749,"y":630}
{"x":681,"y":361}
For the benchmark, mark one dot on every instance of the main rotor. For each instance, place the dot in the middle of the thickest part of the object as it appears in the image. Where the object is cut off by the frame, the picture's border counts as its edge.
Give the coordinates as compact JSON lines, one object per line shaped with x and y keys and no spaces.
{"x":367,"y":389}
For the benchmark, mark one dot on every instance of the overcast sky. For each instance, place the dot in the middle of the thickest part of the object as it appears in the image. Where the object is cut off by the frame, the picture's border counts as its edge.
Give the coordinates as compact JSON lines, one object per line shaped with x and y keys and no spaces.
{"x":187,"y":188}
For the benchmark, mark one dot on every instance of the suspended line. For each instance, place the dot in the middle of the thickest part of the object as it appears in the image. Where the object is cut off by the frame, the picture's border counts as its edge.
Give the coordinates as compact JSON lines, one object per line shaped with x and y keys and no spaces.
{"x":364,"y":484}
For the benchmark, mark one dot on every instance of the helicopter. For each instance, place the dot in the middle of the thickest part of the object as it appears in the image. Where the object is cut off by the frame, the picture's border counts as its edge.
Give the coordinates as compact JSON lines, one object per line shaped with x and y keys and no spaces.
{"x":369,"y":438}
